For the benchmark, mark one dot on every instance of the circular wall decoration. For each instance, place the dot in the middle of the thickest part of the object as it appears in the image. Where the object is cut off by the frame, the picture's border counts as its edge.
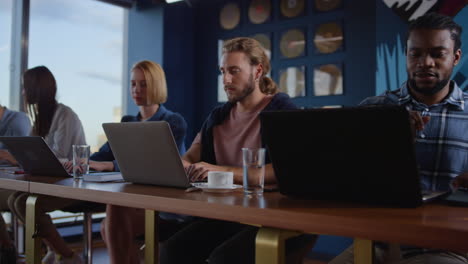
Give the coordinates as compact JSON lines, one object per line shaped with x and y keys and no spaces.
{"x":292,"y":8}
{"x":328,"y":80}
{"x":328,"y":38}
{"x":292,"y":81}
{"x":327,"y":5}
{"x":229,"y":16}
{"x":292,"y":43}
{"x":259,"y":11}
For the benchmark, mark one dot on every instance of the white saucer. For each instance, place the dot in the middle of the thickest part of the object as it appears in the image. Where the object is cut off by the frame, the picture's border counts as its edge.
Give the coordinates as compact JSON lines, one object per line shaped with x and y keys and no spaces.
{"x":204,"y":186}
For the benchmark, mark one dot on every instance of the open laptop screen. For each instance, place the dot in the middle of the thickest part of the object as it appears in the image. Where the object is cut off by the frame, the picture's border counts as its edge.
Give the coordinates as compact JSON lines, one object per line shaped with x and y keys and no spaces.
{"x":147,"y":153}
{"x":361,"y":154}
{"x":34,"y":156}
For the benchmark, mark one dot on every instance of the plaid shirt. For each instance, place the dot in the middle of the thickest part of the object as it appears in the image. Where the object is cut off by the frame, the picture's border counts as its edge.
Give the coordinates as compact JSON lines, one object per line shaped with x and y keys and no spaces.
{"x":442,"y":147}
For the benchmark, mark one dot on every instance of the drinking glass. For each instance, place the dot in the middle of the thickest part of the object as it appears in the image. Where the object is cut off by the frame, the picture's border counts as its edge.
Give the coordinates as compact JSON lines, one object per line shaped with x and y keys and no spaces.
{"x":80,"y":160}
{"x":254,"y":170}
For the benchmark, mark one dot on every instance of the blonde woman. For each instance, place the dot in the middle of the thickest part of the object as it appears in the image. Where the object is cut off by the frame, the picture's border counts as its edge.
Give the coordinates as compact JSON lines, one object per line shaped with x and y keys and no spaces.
{"x":149,"y":91}
{"x":123,"y":224}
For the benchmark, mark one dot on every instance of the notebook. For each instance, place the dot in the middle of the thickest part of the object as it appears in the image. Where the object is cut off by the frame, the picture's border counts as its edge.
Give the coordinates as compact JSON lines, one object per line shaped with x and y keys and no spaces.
{"x":147,"y":153}
{"x":360,"y":154}
{"x":36,"y":158}
{"x":103,"y":177}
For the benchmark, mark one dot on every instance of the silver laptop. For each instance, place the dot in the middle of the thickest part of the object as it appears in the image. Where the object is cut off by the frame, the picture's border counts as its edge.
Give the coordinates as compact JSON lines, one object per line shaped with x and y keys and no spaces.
{"x":147,"y":153}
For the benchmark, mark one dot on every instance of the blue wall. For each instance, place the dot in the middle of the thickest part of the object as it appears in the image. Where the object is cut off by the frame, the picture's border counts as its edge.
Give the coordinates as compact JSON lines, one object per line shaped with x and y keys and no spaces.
{"x":185,"y":41}
{"x":357,"y":48}
{"x":461,"y":71}
{"x":391,"y":60}
{"x":145,"y":41}
{"x":164,"y":34}
{"x":179,"y":64}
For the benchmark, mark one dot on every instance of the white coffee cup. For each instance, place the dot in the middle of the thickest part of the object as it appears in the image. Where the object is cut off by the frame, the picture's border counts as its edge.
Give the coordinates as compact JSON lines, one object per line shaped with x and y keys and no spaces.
{"x":219,"y":179}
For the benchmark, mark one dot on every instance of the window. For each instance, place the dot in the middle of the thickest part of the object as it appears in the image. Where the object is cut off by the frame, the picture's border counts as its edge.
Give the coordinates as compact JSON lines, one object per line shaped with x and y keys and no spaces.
{"x":81,"y":42}
{"x":5,"y":42}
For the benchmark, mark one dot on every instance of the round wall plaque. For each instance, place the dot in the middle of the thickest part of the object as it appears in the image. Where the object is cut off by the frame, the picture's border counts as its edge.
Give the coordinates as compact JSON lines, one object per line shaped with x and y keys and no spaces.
{"x":259,"y":11}
{"x":292,"y":8}
{"x":229,"y":16}
{"x":292,"y":43}
{"x":328,"y":37}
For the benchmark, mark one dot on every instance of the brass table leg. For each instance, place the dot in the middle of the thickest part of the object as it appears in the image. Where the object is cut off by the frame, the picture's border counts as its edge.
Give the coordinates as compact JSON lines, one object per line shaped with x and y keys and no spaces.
{"x":151,"y":237}
{"x":363,"y":251}
{"x":33,"y":243}
{"x":269,"y":245}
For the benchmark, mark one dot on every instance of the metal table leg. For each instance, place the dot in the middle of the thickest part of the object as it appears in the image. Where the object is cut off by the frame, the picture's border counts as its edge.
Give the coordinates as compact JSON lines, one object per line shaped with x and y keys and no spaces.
{"x":363,"y":251}
{"x":88,"y":237}
{"x":33,"y":243}
{"x":151,"y":237}
{"x":269,"y":245}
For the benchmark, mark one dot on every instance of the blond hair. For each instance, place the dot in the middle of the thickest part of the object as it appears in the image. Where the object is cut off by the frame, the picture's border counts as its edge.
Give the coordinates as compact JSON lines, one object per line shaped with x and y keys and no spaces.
{"x":256,"y":55}
{"x":156,"y":87}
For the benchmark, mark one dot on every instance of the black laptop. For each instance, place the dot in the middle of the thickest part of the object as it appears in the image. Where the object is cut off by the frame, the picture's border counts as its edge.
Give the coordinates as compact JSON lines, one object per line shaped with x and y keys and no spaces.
{"x":360,"y":154}
{"x":34,"y":156}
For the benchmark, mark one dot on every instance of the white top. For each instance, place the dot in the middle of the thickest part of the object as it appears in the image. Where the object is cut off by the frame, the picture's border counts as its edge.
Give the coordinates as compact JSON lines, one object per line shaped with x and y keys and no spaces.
{"x":66,"y":130}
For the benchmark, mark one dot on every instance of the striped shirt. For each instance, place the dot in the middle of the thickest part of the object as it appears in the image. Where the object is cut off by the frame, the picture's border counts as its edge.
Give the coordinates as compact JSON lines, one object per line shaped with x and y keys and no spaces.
{"x":442,"y":147}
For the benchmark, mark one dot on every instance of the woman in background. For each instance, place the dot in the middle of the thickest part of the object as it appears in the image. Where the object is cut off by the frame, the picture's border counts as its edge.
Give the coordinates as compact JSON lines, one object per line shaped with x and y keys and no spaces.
{"x":123,"y":224}
{"x":61,"y":128}
{"x":149,"y":91}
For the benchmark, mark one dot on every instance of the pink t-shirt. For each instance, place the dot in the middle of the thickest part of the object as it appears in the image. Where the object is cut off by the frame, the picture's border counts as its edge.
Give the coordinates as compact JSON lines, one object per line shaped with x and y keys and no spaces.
{"x":239,"y":130}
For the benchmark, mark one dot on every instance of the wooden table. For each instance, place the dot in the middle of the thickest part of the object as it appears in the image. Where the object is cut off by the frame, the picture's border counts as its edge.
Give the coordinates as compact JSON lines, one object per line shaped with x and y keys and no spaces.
{"x":15,"y":182}
{"x":432,"y":225}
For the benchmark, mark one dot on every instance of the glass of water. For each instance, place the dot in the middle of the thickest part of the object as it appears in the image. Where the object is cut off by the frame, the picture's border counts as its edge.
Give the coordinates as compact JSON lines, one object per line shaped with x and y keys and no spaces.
{"x":80,"y":160}
{"x":254,"y":170}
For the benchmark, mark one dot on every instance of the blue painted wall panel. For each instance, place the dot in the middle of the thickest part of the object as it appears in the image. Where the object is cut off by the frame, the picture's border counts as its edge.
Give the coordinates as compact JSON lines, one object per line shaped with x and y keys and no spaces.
{"x":145,"y":40}
{"x":179,"y":64}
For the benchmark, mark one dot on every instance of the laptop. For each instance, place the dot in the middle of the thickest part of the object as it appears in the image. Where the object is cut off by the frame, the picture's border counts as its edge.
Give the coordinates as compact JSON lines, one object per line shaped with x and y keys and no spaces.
{"x":360,"y":154}
{"x":147,"y":153}
{"x":34,"y":156}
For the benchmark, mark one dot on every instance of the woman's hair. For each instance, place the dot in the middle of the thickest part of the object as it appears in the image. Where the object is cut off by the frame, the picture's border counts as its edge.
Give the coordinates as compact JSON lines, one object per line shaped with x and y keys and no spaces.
{"x":156,"y":87}
{"x":39,"y":95}
{"x":256,"y":55}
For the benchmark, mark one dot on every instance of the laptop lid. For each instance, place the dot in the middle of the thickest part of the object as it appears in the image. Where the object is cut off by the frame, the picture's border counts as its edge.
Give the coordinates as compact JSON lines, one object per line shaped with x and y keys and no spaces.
{"x":34,"y":156}
{"x":361,"y":154}
{"x":146,"y":153}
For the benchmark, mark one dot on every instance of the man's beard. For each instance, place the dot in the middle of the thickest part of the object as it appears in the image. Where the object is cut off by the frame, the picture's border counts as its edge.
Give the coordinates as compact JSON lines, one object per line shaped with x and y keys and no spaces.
{"x":438,"y":87}
{"x":245,"y":92}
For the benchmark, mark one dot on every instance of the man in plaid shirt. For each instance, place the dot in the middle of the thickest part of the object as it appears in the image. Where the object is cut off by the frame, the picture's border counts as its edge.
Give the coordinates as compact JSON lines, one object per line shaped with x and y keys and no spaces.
{"x":439,"y":112}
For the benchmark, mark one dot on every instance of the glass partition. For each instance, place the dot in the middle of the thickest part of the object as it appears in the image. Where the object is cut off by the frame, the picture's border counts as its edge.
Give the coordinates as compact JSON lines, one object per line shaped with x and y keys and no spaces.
{"x":81,"y":42}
